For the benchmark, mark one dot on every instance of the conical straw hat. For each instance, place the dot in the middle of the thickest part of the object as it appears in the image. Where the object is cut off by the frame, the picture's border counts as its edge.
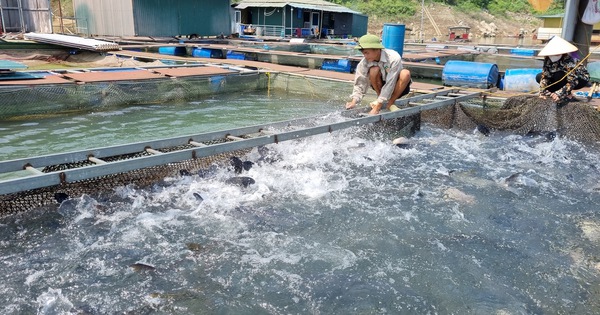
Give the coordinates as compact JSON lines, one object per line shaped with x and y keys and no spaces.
{"x":557,"y":46}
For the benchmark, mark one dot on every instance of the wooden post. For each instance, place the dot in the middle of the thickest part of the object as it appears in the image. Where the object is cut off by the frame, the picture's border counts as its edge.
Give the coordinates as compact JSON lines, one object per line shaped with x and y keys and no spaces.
{"x":62,"y":27}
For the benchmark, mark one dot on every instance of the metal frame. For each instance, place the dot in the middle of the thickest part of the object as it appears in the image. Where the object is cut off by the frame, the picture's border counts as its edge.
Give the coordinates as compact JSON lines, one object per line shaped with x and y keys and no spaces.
{"x":258,"y":137}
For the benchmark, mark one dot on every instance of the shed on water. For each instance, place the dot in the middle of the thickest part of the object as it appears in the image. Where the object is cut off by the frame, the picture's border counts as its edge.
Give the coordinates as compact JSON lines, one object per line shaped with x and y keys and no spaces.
{"x":153,"y":17}
{"x":302,"y":18}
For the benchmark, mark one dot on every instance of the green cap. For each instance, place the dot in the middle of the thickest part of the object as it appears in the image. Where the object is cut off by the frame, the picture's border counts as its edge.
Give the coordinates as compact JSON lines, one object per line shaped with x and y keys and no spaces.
{"x":369,"y":41}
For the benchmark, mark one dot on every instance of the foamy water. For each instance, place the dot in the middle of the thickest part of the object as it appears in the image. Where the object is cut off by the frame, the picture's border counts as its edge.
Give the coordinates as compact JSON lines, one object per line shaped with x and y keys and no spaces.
{"x":457,"y":223}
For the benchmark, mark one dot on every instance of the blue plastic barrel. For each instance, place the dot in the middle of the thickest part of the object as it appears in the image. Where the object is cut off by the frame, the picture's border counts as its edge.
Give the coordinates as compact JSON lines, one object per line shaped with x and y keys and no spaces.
{"x":172,"y":50}
{"x":522,"y":52}
{"x":341,"y":65}
{"x":522,"y":80}
{"x":393,"y":37}
{"x":594,"y":70}
{"x":208,"y":53}
{"x":235,"y":55}
{"x":470,"y":74}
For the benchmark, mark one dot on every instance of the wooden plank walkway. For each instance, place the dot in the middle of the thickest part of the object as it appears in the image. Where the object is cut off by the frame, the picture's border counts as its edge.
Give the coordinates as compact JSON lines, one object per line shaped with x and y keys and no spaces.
{"x":342,"y":76}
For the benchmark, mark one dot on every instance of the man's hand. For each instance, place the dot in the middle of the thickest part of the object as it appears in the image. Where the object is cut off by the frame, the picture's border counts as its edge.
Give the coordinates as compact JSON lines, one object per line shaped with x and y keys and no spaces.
{"x":375,"y":107}
{"x":351,"y":104}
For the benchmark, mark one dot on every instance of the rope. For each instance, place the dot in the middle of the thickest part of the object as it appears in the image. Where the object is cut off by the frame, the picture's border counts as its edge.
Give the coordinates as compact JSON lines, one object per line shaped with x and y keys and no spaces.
{"x":270,"y":13}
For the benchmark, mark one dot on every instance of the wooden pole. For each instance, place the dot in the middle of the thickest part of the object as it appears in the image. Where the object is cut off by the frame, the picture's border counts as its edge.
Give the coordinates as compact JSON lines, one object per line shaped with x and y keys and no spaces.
{"x":62,"y":27}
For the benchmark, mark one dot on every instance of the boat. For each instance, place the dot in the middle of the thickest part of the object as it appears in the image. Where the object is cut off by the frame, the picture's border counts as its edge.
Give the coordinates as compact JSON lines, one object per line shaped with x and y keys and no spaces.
{"x":459,"y":33}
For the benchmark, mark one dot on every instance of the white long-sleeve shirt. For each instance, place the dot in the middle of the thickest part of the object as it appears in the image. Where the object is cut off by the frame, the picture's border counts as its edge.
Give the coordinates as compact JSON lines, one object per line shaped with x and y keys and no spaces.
{"x":390,"y":64}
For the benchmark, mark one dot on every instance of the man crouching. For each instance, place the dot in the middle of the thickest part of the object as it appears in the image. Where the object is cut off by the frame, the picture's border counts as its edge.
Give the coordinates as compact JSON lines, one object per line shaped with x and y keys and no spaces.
{"x":380,"y":68}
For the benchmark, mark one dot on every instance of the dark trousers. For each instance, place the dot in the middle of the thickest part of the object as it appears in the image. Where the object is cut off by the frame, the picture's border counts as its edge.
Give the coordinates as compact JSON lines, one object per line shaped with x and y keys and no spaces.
{"x":556,"y":77}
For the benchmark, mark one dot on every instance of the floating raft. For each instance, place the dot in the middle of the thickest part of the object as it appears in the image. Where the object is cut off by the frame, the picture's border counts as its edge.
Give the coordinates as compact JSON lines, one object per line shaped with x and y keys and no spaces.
{"x":73,"y":42}
{"x":7,"y":71}
{"x":97,"y":163}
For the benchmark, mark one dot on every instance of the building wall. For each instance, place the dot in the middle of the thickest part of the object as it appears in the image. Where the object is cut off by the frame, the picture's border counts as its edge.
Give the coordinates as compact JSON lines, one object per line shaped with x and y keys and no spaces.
{"x":182,"y":17}
{"x":36,"y":16}
{"x":276,"y":17}
{"x":107,"y":17}
{"x":343,"y":24}
{"x":359,"y":25}
{"x":340,"y":23}
{"x":553,"y":22}
{"x":155,"y":17}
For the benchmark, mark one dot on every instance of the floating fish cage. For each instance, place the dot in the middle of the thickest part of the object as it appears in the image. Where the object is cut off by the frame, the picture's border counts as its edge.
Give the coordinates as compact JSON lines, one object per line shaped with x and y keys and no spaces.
{"x":65,"y":92}
{"x":44,"y":180}
{"x":72,"y":174}
{"x":52,"y":93}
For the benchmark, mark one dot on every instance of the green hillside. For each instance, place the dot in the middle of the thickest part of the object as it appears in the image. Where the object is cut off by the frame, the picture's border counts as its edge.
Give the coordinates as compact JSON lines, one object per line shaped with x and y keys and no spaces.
{"x":399,"y":9}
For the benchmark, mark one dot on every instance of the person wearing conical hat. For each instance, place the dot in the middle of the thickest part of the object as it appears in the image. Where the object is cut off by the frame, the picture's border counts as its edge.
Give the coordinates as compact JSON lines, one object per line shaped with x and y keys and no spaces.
{"x":560,"y":73}
{"x":381,"y":69}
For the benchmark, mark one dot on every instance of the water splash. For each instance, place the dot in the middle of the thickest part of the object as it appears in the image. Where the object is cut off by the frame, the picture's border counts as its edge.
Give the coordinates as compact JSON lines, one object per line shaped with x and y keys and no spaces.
{"x":333,"y":224}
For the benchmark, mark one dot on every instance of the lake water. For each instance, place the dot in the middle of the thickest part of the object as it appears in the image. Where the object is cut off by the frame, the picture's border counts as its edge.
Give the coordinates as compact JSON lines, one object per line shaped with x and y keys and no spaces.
{"x":340,"y":223}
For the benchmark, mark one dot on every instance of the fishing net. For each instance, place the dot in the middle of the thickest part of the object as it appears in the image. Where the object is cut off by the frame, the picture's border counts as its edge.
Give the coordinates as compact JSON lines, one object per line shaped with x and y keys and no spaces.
{"x":61,"y":98}
{"x":329,"y":90}
{"x":25,"y":200}
{"x":523,"y":114}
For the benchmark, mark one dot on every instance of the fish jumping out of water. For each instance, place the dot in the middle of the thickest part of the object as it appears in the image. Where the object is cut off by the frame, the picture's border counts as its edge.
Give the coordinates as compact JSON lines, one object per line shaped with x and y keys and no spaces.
{"x":139,"y":267}
{"x":239,"y":165}
{"x":60,"y":197}
{"x":198,"y":197}
{"x":402,"y":142}
{"x":266,"y":155}
{"x":194,"y":247}
{"x":519,"y":179}
{"x":483,"y":130}
{"x":184,"y":172}
{"x":208,"y":172}
{"x":242,"y":181}
{"x":548,"y":136}
{"x":458,"y":195}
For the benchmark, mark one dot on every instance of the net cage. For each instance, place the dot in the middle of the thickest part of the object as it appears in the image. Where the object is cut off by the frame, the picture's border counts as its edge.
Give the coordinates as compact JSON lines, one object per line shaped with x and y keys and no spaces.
{"x":522,"y":114}
{"x":61,"y":98}
{"x":26,"y":200}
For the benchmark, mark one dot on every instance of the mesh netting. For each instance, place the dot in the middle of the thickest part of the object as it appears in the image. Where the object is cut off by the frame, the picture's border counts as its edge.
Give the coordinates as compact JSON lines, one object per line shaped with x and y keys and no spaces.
{"x":62,"y":98}
{"x":332,"y":91}
{"x":57,"y":98}
{"x":520,"y":114}
{"x":524,"y":114}
{"x":25,"y":200}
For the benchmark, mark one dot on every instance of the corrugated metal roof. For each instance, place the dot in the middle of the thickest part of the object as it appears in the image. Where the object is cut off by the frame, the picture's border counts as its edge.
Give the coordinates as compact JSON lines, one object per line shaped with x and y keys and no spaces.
{"x":319,"y":5}
{"x":73,"y":41}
